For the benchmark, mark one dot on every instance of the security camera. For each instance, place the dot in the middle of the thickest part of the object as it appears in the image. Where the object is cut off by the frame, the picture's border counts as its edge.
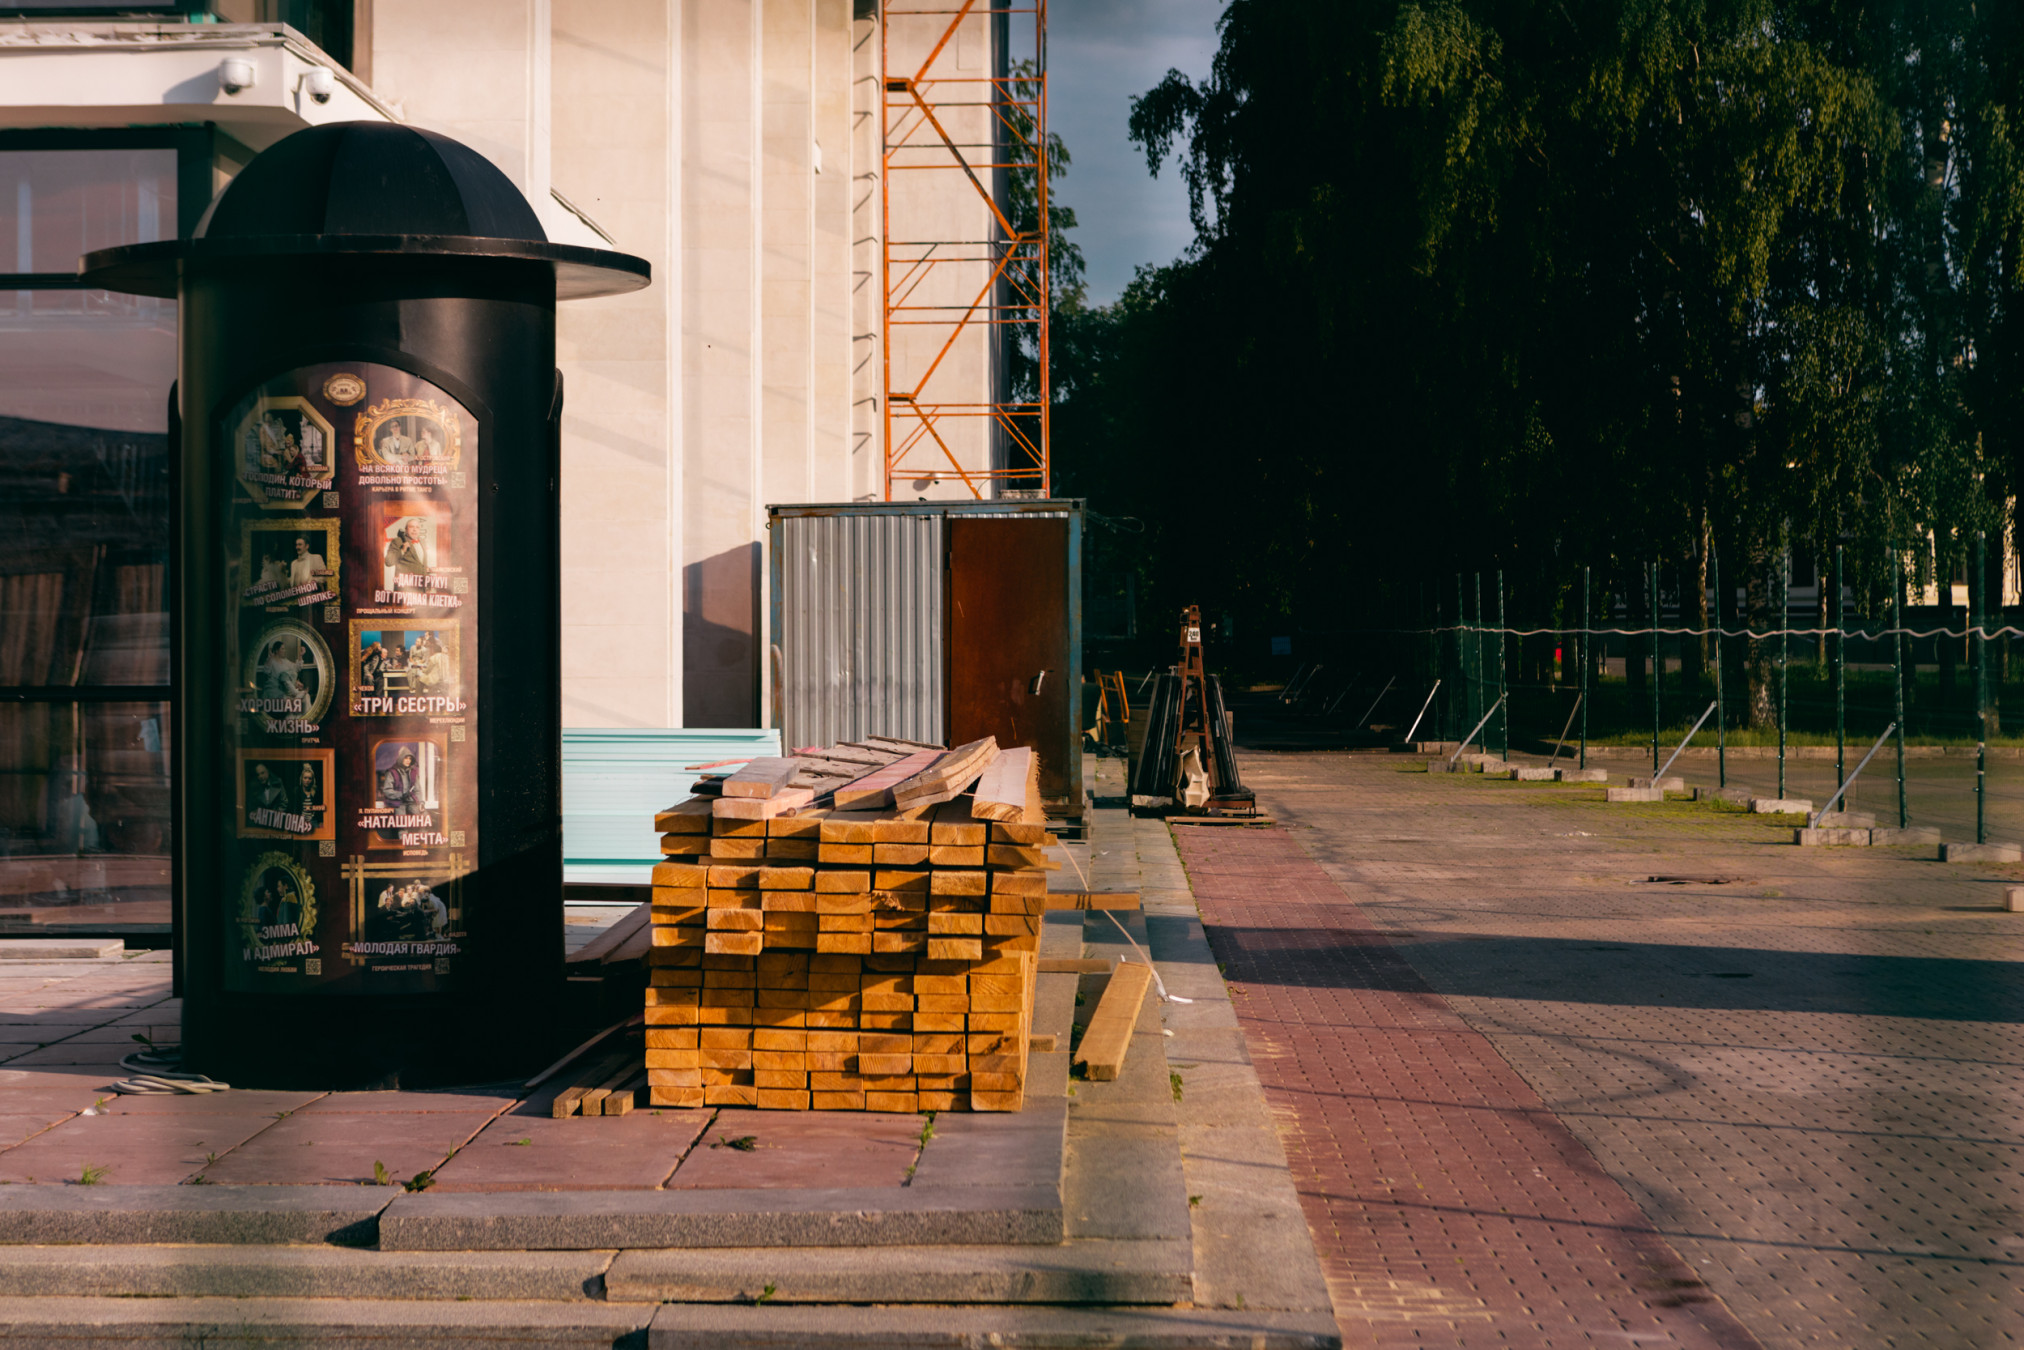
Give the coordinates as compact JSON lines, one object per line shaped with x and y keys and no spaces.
{"x":236,"y":74}
{"x":319,"y":83}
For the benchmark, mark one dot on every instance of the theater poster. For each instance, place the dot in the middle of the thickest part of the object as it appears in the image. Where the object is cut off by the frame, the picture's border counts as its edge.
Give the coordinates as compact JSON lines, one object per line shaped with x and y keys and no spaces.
{"x":351,"y":544}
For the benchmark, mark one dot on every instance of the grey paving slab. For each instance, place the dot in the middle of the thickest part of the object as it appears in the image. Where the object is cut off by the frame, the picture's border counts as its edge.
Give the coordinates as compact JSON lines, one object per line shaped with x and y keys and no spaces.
{"x":584,"y":1221}
{"x":718,"y":1327}
{"x":330,"y":1324}
{"x":1069,"y":1272}
{"x":180,"y":1271}
{"x":994,"y":1149}
{"x":209,"y":1214}
{"x":1124,"y":1182}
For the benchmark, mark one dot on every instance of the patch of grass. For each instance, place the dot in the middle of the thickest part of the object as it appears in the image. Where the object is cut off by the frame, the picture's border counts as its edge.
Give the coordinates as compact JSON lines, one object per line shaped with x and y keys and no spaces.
{"x":93,"y":1174}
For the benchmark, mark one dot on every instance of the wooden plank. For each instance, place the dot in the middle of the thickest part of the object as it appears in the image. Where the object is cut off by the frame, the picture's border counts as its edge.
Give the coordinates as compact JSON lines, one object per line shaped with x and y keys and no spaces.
{"x":950,"y":774}
{"x":1103,"y":1046}
{"x":1075,"y":965}
{"x":633,"y":921}
{"x":1041,"y":1044}
{"x":952,"y":823}
{"x":684,"y":817}
{"x":763,"y":777}
{"x":622,"y":1101}
{"x":633,"y":948}
{"x":570,"y":1099}
{"x":1001,"y":791}
{"x":1221,"y":820}
{"x":1092,"y":899}
{"x":763,"y":808}
{"x":904,"y":747}
{"x":875,"y":790}
{"x":592,"y":1102}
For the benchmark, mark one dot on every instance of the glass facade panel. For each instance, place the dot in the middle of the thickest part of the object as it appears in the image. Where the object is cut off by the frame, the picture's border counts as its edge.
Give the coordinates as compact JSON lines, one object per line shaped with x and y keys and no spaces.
{"x":84,"y":816}
{"x":57,"y":205}
{"x":84,"y":385}
{"x":83,"y":494}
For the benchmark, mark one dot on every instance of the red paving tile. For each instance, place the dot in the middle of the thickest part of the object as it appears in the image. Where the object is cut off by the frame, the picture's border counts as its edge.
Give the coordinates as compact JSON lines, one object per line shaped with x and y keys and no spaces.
{"x":1449,"y":1206}
{"x":150,"y":1150}
{"x":338,"y":1148}
{"x":794,"y":1148}
{"x":532,"y":1151}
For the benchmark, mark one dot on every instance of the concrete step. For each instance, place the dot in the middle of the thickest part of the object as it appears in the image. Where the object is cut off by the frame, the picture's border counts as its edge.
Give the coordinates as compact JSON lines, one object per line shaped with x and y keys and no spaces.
{"x":345,"y":1323}
{"x":288,"y":1272}
{"x":1082,"y":1271}
{"x":346,"y":1215}
{"x":61,"y":949}
{"x":700,"y":1327}
{"x":1088,"y":1271}
{"x":389,"y":1324}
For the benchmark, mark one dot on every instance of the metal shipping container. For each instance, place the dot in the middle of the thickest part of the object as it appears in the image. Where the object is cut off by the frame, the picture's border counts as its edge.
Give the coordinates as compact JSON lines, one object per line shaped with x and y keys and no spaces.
{"x":934,"y":621}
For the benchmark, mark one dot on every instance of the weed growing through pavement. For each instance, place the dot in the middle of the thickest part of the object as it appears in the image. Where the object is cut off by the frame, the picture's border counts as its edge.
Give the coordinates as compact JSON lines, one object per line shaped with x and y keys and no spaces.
{"x":744,"y":1143}
{"x":93,"y":1174}
{"x":1194,"y":1202}
{"x":519,"y":1143}
{"x":1174,"y":1082}
{"x":421,"y":1181}
{"x":765,"y":1295}
{"x":380,"y":1175}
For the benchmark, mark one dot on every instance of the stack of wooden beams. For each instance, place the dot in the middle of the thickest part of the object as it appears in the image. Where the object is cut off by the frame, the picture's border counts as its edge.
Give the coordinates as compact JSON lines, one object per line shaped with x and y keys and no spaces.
{"x":875,"y":954}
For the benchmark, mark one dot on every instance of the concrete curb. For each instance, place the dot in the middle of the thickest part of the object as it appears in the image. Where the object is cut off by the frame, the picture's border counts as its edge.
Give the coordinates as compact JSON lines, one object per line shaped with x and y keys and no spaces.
{"x":344,"y":1215}
{"x":703,"y":1327}
{"x":1075,"y":1272}
{"x":1983,"y":853}
{"x":594,"y":1220}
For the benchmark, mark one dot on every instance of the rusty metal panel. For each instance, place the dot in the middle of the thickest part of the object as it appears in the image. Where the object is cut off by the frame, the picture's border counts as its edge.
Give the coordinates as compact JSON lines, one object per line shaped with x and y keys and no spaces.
{"x":859,"y":604}
{"x":1009,"y":662}
{"x":858,"y":618}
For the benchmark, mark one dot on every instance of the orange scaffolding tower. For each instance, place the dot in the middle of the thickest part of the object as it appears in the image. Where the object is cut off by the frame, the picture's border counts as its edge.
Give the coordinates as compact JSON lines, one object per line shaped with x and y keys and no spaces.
{"x":964,"y":331}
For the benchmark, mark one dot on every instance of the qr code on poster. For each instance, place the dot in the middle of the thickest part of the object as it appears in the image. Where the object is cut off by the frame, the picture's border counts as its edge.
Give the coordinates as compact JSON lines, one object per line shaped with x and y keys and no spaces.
{"x":312,"y":965}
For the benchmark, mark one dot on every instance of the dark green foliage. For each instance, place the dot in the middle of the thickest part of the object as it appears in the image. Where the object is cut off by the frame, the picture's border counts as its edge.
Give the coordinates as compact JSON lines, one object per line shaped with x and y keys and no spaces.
{"x":1544,"y":284}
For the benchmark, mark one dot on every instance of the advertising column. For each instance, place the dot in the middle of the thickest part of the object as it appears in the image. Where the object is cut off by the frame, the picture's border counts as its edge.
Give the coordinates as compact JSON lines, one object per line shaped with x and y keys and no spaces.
{"x":352,"y":557}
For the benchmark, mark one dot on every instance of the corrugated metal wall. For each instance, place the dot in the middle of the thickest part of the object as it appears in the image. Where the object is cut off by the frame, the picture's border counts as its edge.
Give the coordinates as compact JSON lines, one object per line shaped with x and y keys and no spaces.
{"x":860,"y":607}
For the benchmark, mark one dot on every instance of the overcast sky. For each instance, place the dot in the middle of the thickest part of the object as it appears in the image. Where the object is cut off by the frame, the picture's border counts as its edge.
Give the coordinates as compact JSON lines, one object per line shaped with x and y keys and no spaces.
{"x":1100,"y":54}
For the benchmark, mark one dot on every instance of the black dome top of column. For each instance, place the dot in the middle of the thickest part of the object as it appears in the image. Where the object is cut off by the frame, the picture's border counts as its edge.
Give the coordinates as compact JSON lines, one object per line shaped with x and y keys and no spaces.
{"x":371,"y":178}
{"x":366,"y":190}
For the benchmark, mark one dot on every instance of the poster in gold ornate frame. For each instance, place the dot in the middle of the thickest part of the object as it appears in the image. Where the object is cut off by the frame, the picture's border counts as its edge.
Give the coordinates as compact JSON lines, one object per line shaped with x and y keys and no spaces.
{"x":284,"y":451}
{"x":415,"y":435}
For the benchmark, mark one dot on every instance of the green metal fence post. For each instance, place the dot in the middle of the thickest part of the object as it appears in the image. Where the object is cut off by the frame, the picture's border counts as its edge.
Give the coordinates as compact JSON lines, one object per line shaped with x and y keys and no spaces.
{"x":1721,"y":716}
{"x":1652,"y":577}
{"x":1897,"y":660}
{"x":1784,"y":651}
{"x":1587,"y":661}
{"x":1978,"y":604}
{"x":1503,"y":670}
{"x":1482,"y":681}
{"x":1840,"y":679}
{"x":1464,"y":705}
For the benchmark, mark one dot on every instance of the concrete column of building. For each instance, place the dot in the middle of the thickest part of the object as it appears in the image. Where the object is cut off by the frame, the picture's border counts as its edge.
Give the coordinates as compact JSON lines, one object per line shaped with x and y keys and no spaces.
{"x":867,"y":299}
{"x":719,"y":264}
{"x":615,"y":129}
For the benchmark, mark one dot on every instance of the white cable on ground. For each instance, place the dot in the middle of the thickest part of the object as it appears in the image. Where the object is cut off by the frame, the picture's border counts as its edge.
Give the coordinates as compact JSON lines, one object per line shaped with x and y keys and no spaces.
{"x":1158,"y":983}
{"x":154,"y":1075}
